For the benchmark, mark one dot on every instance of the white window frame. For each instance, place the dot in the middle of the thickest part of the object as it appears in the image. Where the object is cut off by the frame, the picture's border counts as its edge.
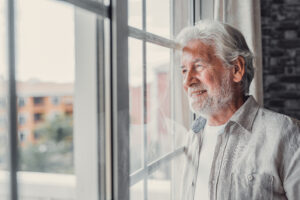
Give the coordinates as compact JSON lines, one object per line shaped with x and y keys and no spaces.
{"x":109,"y":106}
{"x":147,"y":37}
{"x":87,"y":179}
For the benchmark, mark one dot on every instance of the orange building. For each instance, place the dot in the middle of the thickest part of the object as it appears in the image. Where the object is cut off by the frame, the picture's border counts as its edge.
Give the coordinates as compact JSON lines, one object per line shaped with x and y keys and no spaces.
{"x":38,"y":101}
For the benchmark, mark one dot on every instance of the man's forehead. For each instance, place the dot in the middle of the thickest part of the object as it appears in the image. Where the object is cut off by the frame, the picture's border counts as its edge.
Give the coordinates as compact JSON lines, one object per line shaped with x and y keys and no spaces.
{"x":196,"y":50}
{"x":191,"y":58}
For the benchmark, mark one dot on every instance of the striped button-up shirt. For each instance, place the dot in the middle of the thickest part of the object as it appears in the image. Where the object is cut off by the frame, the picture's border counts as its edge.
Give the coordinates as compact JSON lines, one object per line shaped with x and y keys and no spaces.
{"x":257,"y":157}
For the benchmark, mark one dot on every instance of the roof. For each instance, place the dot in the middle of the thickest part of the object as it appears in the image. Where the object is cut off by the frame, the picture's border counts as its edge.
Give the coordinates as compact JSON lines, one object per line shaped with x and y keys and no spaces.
{"x":38,"y":88}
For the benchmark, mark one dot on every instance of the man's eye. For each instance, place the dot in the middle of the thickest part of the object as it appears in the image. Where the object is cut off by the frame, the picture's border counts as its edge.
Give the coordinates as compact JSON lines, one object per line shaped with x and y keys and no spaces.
{"x":198,"y":66}
{"x":183,"y":71}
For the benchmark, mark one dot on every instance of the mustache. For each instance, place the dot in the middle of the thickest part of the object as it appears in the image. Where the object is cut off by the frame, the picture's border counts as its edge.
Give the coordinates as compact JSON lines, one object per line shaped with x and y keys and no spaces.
{"x":196,"y":88}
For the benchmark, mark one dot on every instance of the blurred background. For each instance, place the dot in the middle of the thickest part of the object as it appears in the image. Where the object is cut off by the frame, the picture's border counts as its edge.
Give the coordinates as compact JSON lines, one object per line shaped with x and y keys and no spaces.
{"x":72,"y":75}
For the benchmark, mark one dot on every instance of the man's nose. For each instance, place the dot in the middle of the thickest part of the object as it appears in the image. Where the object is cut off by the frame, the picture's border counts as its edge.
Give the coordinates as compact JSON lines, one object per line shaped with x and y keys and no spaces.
{"x":190,"y":78}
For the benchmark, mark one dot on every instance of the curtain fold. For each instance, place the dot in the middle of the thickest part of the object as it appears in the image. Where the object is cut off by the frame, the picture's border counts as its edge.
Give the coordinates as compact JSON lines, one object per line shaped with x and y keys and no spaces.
{"x":245,"y":16}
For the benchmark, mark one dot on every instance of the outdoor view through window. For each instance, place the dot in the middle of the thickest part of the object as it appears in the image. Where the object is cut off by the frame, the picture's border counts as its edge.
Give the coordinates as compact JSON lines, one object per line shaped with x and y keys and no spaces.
{"x":63,"y":80}
{"x":155,"y":98}
{"x":45,"y":66}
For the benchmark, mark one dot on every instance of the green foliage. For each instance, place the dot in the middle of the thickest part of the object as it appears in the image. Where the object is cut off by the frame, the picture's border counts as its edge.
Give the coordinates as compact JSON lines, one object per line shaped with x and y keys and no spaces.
{"x":53,"y":150}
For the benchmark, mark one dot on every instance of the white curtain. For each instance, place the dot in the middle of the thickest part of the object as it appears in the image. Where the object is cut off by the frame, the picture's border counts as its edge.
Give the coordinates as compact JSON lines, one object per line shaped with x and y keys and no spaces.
{"x":245,"y":16}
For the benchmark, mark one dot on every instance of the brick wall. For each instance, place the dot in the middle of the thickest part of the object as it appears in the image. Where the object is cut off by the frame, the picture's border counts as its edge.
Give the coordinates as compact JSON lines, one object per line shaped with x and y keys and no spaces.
{"x":281,"y":55}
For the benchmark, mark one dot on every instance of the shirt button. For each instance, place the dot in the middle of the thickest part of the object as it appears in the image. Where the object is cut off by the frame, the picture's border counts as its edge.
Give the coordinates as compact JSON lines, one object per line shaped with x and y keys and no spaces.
{"x":250,"y":177}
{"x":193,"y":183}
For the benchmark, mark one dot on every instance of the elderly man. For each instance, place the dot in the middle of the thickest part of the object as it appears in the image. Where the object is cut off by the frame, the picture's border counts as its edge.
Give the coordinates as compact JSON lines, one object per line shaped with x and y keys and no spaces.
{"x":235,"y":148}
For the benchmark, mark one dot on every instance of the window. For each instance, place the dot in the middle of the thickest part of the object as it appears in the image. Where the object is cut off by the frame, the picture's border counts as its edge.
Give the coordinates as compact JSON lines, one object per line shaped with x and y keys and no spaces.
{"x":154,"y":107}
{"x":22,"y":119}
{"x":38,"y":100}
{"x":23,"y":135}
{"x":38,"y":117}
{"x":36,"y":135}
{"x":21,"y":102}
{"x":55,"y":100}
{"x":61,"y":56}
{"x":115,"y":94}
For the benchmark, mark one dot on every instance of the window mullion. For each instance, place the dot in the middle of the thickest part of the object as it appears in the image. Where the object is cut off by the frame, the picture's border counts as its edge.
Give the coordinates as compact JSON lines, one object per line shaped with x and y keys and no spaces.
{"x":172,"y":105}
{"x":152,"y":38}
{"x":92,"y":6}
{"x":120,"y":99}
{"x":12,"y":101}
{"x":101,"y":111}
{"x":153,"y":166}
{"x":145,"y":141}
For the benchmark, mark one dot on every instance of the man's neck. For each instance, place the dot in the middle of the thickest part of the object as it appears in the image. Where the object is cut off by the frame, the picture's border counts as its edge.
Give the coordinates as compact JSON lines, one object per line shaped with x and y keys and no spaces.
{"x":224,"y":114}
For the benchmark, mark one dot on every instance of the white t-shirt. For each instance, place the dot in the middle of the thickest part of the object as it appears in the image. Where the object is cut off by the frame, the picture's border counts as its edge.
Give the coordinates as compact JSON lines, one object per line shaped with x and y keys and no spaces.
{"x":210,"y":136}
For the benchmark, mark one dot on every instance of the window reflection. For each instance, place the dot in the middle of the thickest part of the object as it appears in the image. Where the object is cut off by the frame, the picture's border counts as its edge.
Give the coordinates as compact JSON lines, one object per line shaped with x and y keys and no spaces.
{"x":135,"y":103}
{"x":158,"y":101}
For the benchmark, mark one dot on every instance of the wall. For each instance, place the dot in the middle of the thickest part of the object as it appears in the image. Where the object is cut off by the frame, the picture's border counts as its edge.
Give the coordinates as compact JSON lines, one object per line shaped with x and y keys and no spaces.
{"x":281,"y":55}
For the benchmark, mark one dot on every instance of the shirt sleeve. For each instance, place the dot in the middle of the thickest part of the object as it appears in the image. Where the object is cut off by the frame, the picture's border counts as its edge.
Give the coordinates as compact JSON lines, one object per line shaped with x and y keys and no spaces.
{"x":292,"y":179}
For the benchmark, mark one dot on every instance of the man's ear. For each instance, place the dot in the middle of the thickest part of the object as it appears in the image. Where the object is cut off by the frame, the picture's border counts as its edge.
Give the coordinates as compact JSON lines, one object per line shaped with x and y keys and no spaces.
{"x":238,"y":69}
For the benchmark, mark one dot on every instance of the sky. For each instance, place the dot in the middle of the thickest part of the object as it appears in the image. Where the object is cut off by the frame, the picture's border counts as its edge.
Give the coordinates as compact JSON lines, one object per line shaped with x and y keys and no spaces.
{"x":45,"y":40}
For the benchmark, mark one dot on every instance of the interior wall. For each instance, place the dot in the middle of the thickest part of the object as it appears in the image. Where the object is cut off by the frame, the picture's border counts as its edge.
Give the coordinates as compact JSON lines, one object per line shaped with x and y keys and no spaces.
{"x":281,"y":55}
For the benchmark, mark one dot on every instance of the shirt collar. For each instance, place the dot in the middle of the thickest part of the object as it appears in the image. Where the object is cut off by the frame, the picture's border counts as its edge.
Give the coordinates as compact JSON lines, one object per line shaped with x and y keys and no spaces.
{"x":198,"y":124}
{"x":244,"y":116}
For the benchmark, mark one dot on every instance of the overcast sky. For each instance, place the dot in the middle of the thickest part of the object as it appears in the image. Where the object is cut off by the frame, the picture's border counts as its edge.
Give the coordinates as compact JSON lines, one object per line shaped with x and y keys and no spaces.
{"x":45,"y":39}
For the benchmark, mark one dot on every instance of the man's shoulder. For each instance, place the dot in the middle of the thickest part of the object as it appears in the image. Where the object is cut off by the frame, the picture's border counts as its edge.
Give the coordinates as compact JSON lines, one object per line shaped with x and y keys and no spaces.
{"x":274,"y":122}
{"x":270,"y":116}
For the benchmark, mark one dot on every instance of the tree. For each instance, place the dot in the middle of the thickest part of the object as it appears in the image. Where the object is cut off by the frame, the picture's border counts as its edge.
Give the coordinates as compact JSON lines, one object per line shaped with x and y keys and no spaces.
{"x":53,"y":149}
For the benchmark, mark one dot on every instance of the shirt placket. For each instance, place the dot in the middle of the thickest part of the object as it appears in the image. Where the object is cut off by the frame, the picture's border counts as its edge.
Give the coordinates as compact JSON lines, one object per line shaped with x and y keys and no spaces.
{"x":197,"y":157}
{"x":217,"y":164}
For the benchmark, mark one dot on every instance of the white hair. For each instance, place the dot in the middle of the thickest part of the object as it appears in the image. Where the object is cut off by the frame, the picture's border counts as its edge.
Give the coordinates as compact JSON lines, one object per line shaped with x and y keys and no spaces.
{"x":229,"y":44}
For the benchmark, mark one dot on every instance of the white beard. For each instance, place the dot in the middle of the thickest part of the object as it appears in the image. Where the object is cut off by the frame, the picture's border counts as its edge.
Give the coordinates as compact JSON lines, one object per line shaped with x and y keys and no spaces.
{"x":211,"y":103}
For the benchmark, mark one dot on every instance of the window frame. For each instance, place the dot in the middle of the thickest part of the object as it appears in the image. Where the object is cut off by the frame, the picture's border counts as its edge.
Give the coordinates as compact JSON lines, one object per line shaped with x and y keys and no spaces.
{"x":12,"y":102}
{"x":116,"y":132}
{"x":97,"y":8}
{"x":147,"y":37}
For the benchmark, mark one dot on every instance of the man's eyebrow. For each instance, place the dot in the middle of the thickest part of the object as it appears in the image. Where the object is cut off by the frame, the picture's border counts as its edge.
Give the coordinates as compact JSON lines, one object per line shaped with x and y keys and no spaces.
{"x":194,"y":61}
{"x":197,"y":60}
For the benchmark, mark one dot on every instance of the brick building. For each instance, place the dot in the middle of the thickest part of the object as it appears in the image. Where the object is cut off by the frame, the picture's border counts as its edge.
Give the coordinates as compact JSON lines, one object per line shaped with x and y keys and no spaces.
{"x":38,"y":101}
{"x":281,"y":55}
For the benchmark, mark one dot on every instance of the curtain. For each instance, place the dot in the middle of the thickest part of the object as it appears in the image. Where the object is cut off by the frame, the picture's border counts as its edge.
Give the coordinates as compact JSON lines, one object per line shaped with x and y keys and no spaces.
{"x":245,"y":16}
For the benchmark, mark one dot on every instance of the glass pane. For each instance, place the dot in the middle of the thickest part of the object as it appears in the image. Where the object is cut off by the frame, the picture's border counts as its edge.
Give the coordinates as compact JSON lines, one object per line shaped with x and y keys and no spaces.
{"x":135,"y":13}
{"x":181,"y":115}
{"x":135,"y":103}
{"x":165,"y":109}
{"x":167,"y":18}
{"x":158,"y":101}
{"x":158,"y":17}
{"x":159,"y":183}
{"x":4,"y":176}
{"x":137,"y":191}
{"x":45,"y":88}
{"x":182,"y":11}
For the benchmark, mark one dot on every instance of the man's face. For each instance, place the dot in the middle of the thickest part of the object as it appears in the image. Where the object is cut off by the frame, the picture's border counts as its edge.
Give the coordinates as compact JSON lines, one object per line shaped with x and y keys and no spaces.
{"x":206,"y":80}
